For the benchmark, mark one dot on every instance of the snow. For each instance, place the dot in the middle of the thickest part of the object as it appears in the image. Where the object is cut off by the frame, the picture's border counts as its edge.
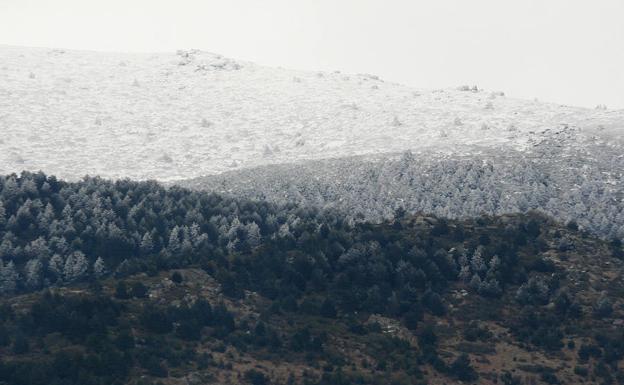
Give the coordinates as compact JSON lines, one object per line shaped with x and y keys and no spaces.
{"x":186,"y":114}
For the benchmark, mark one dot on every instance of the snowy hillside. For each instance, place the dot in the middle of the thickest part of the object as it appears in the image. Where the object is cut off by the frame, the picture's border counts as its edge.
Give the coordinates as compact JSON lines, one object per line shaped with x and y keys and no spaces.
{"x":584,"y":185}
{"x":187,"y":114}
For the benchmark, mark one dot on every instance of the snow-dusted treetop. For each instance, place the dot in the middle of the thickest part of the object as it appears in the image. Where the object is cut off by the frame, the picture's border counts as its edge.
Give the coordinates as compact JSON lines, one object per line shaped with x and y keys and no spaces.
{"x":192,"y":113}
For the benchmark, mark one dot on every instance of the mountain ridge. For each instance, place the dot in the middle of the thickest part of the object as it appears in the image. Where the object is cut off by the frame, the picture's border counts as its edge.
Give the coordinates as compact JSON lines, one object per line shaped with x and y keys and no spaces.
{"x":193,"y":113}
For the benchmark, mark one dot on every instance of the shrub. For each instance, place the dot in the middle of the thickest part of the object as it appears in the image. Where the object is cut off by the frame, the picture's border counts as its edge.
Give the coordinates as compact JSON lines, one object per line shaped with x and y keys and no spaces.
{"x":255,"y":377}
{"x":581,"y":371}
{"x":176,"y":277}
{"x":121,"y":290}
{"x":462,"y":369}
{"x":139,"y":290}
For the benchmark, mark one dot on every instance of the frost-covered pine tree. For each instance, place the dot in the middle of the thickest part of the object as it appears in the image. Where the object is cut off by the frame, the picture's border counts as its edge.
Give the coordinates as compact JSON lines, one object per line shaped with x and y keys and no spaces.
{"x":174,"y":246}
{"x":67,"y":213}
{"x":56,"y":265}
{"x":465,"y":275}
{"x":11,"y":188}
{"x":45,"y":218}
{"x":490,"y":288}
{"x":198,"y":239}
{"x":6,"y":248}
{"x":271,"y":221}
{"x":232,"y":246}
{"x":29,"y":187}
{"x":147,"y":244}
{"x":33,"y":272}
{"x":99,"y":268}
{"x":284,"y":231}
{"x":38,"y":249}
{"x":24,"y":214}
{"x":494,"y":263}
{"x":253,"y":234}
{"x":187,"y":246}
{"x":8,"y":277}
{"x":475,"y":282}
{"x":194,"y":232}
{"x":494,"y":266}
{"x":46,"y":188}
{"x":76,"y":266}
{"x":235,"y":226}
{"x":59,"y":245}
{"x":2,"y":215}
{"x":223,"y":232}
{"x":476,"y":263}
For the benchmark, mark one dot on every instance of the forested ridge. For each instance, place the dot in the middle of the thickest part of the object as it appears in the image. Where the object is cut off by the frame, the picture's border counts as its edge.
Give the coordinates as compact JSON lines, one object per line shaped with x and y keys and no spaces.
{"x":56,"y":232}
{"x":567,"y":183}
{"x":130,"y":282}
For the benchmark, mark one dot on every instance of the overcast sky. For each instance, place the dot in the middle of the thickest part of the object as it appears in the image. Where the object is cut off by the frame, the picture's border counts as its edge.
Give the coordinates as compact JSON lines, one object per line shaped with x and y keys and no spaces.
{"x":564,"y":51}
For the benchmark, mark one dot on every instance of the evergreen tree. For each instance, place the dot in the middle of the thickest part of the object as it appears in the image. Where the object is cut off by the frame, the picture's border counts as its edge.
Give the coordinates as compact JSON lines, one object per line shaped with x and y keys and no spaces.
{"x":465,"y":275}
{"x":328,"y":309}
{"x":475,"y":283}
{"x":8,"y":277}
{"x":56,"y":265}
{"x":45,"y":218}
{"x":33,"y":273}
{"x":196,"y":236}
{"x":174,"y":245}
{"x":2,"y":215}
{"x":10,"y":190}
{"x":233,"y":230}
{"x":462,"y":369}
{"x":284,"y":231}
{"x":6,"y":247}
{"x":99,"y":268}
{"x":38,"y":249}
{"x":253,"y":234}
{"x":76,"y":266}
{"x":603,"y":308}
{"x":477,"y":264}
{"x":147,"y":244}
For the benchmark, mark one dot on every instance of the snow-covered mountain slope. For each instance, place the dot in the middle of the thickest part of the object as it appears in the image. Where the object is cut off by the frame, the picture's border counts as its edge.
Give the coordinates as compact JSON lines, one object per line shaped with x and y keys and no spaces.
{"x":190,"y":113}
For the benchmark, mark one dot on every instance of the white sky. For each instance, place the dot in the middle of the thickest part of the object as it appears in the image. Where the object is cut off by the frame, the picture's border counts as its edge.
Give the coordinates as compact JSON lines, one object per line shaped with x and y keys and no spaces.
{"x":564,"y":51}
